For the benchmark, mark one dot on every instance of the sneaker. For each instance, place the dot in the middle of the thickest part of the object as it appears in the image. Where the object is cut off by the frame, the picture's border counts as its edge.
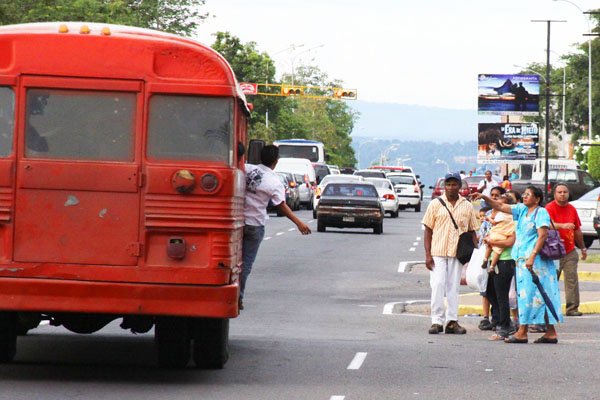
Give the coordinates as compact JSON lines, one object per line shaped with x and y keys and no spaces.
{"x":485,"y":325}
{"x":435,"y":329}
{"x":454,"y":327}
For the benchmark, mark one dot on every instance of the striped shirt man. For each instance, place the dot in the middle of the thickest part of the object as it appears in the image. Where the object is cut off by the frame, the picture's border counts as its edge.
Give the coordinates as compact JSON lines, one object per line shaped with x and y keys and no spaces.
{"x":441,"y":244}
{"x":444,"y":242}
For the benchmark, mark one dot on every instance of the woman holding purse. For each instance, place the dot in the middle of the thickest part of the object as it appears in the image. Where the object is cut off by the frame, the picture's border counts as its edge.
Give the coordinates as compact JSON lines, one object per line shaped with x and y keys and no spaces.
{"x":532,"y":229}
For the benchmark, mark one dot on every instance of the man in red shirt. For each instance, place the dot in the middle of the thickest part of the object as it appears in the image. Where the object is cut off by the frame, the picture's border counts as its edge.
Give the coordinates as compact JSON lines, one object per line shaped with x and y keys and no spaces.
{"x":567,"y":222}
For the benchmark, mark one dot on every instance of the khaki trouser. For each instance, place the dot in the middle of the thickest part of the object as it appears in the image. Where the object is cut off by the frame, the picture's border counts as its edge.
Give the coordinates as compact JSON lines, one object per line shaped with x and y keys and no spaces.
{"x":568,"y":264}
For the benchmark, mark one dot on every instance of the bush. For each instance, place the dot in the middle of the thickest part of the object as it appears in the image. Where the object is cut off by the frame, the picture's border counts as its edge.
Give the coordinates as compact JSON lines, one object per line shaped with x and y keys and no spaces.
{"x":593,"y":161}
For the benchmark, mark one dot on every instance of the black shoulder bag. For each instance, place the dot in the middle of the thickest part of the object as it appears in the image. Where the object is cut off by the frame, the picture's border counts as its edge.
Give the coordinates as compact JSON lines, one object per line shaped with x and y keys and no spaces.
{"x":465,"y":240}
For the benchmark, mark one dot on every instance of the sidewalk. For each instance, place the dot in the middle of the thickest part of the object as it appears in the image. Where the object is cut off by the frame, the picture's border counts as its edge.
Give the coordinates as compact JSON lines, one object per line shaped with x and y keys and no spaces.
{"x":470,"y":303}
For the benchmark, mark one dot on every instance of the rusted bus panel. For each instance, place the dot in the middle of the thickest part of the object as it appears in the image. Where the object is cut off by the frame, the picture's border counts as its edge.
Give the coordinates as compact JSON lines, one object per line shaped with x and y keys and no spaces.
{"x":52,"y":295}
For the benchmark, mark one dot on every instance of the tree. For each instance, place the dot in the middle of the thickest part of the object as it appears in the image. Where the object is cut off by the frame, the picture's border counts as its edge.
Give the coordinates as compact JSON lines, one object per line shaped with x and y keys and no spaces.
{"x":175,"y":16}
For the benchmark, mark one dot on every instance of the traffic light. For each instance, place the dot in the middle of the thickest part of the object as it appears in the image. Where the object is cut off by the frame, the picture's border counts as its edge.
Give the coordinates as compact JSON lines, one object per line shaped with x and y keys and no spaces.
{"x":347,"y":94}
{"x":291,"y":90}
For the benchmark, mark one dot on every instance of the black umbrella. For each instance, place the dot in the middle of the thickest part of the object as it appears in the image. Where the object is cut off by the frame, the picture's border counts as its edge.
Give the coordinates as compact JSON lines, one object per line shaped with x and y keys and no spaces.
{"x":536,"y":281}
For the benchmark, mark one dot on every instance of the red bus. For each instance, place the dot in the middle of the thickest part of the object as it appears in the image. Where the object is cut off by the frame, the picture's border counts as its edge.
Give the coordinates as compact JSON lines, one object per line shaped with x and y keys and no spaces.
{"x":121,"y":194}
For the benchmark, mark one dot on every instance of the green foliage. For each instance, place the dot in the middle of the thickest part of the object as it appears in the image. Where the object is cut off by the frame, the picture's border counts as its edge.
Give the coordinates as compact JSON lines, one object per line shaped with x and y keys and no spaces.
{"x":176,"y":16}
{"x":328,"y":121}
{"x":593,"y":161}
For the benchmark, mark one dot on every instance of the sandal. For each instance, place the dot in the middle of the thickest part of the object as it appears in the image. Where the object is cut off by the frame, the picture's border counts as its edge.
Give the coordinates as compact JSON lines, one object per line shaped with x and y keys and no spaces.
{"x":512,"y":339}
{"x":544,"y":339}
{"x":537,"y":329}
{"x":496,"y":337}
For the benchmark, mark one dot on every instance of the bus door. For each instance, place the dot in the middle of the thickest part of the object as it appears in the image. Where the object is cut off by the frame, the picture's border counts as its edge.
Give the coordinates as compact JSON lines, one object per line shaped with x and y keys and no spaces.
{"x":78,"y":163}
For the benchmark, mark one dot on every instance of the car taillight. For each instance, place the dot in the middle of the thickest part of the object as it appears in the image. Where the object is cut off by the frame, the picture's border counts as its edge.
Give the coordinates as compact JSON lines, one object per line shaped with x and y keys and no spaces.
{"x":318,"y":194}
{"x":306,"y":178}
{"x":389,"y":196}
{"x":313,"y":187}
{"x":292,"y":184}
{"x":416,"y":188}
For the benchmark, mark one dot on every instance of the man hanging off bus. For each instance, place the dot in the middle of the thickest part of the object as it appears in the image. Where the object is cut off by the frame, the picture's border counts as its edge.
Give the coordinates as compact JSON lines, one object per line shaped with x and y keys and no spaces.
{"x":262,"y":185}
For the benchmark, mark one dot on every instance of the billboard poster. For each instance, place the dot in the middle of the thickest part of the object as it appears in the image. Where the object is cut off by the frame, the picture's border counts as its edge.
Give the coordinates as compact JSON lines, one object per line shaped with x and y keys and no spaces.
{"x":508,"y":94}
{"x":506,"y":143}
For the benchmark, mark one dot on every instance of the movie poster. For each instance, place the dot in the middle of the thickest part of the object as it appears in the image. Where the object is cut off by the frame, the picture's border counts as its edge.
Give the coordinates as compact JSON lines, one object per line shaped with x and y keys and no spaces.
{"x":508,"y":94}
{"x":506,"y":143}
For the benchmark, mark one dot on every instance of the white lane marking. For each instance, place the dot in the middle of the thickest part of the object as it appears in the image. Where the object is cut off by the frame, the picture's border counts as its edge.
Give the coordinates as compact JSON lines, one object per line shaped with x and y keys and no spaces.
{"x":418,"y":237}
{"x":291,"y":229}
{"x":358,"y":360}
{"x":367,"y":305}
{"x":267,"y":238}
{"x":279,"y":233}
{"x":337,"y":397}
{"x":388,"y":309}
{"x":412,"y":249}
{"x":415,"y":243}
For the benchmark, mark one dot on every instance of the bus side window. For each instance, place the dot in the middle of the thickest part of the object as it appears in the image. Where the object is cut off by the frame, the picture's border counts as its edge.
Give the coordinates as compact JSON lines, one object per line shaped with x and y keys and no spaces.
{"x":7,"y":115}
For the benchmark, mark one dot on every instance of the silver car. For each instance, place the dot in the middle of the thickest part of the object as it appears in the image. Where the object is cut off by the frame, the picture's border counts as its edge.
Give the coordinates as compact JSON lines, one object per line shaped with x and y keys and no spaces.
{"x":586,"y":209}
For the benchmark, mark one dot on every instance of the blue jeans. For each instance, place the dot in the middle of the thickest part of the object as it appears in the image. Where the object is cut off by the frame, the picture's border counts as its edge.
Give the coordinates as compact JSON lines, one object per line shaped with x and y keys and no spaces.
{"x":253,"y":235}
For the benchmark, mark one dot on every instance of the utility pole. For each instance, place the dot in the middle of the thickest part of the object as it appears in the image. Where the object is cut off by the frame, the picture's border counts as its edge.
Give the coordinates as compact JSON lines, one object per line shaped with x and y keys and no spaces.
{"x":547,"y":122}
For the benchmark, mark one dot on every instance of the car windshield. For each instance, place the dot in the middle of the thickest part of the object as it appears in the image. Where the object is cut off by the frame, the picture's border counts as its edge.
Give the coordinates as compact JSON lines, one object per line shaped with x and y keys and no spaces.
{"x":349,"y":189}
{"x":371,"y":174}
{"x":592,"y":195}
{"x":381,"y":184}
{"x":401,"y":180}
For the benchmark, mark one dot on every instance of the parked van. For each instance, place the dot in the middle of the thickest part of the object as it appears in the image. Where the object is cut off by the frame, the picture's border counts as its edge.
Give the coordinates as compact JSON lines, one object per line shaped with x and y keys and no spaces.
{"x":303,"y":167}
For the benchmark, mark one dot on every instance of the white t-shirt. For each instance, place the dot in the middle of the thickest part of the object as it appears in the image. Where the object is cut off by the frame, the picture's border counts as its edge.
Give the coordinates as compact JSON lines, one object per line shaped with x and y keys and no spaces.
{"x":262,"y":185}
{"x":487,"y":186}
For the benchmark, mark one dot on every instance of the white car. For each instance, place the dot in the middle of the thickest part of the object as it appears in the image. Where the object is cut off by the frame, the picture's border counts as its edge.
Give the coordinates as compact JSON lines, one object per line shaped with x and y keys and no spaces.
{"x":407,"y":189}
{"x":586,"y":209}
{"x":328,"y":179}
{"x":387,"y":195}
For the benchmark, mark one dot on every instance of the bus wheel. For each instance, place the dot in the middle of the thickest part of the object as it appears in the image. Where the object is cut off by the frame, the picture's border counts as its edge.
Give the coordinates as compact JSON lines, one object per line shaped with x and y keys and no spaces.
{"x":8,"y":336}
{"x":173,"y":342}
{"x":211,"y":342}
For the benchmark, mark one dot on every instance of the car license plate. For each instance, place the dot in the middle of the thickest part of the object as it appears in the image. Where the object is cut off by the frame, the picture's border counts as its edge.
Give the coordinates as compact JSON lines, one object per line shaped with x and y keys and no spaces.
{"x":348,"y":219}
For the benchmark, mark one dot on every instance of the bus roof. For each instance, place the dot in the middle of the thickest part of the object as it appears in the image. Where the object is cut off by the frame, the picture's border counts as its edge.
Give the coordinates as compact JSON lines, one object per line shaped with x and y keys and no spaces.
{"x":305,"y":141}
{"x":114,"y":51}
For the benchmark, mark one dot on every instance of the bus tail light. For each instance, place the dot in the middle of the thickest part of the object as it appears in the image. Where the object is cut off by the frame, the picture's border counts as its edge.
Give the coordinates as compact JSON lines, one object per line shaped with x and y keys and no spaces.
{"x":176,"y":248}
{"x":209,"y":182}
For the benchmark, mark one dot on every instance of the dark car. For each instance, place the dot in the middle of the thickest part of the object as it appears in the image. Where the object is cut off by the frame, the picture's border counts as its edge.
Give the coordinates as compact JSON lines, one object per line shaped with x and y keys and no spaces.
{"x":350,"y":205}
{"x":321,"y":170}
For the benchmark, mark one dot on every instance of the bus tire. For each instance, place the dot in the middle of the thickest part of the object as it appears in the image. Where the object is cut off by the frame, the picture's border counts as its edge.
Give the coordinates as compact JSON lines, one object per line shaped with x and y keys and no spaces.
{"x":8,"y":336}
{"x":211,"y":342}
{"x":173,"y":342}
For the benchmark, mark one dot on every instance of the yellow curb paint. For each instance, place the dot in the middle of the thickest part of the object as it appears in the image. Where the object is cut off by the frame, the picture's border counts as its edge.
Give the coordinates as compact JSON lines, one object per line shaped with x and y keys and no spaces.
{"x":591,"y":307}
{"x":586,"y":276}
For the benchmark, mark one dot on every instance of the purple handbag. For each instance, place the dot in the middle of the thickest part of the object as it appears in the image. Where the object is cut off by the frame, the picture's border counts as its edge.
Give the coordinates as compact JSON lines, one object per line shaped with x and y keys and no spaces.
{"x":553,"y":248}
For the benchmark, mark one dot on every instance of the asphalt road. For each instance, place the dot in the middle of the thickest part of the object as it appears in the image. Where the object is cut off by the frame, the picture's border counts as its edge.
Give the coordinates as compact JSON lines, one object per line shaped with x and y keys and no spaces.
{"x":316,"y":326}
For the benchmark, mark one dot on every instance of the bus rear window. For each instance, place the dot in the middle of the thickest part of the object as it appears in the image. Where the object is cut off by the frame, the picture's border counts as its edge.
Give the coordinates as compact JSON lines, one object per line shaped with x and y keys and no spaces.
{"x":290,"y":151}
{"x":7,"y":119}
{"x":190,"y":128}
{"x":80,"y":125}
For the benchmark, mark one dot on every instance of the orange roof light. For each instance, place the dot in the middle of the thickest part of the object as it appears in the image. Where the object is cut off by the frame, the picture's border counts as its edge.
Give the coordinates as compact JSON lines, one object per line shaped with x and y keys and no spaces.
{"x":105,"y":31}
{"x":63,"y":29}
{"x":84,"y":29}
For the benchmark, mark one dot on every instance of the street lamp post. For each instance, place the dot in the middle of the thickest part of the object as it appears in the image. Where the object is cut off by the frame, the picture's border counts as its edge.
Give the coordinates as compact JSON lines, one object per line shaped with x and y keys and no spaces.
{"x":589,"y":68}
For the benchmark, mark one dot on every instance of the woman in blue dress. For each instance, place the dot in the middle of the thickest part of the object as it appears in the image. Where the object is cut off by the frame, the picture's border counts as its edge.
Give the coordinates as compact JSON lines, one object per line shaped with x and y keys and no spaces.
{"x":532,"y":230}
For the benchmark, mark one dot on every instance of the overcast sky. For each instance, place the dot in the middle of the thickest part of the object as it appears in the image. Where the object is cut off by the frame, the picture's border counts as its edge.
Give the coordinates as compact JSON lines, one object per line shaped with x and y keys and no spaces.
{"x":409,"y":52}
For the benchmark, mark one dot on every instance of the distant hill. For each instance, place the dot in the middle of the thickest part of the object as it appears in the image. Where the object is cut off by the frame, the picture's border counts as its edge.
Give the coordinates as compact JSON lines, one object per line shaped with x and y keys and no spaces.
{"x":412,"y":122}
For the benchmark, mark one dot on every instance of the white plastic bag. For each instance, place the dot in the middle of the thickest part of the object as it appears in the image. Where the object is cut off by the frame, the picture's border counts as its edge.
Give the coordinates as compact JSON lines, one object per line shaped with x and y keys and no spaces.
{"x":477,"y":277}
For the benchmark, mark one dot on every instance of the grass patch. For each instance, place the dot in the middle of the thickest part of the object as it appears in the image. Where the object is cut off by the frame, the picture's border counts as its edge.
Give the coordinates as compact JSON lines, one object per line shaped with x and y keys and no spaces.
{"x":592,"y":259}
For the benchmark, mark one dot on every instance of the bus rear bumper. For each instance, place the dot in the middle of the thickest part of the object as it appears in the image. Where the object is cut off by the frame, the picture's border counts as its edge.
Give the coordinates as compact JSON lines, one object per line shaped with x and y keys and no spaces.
{"x":53,"y":295}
